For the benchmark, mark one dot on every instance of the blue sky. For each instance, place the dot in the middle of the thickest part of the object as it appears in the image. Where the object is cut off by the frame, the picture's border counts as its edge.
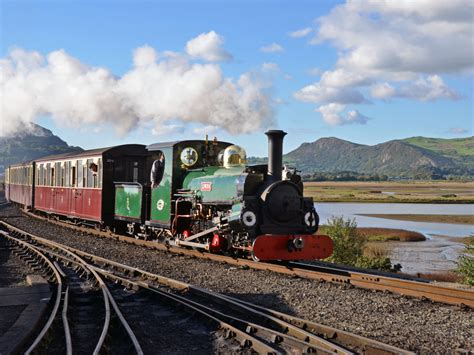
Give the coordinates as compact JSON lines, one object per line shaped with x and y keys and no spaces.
{"x":380,"y":71}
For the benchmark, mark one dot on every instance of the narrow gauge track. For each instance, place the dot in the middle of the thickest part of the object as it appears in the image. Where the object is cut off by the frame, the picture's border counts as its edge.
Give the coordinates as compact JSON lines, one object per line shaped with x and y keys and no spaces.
{"x":363,"y":279}
{"x":76,"y":283}
{"x":255,"y":327}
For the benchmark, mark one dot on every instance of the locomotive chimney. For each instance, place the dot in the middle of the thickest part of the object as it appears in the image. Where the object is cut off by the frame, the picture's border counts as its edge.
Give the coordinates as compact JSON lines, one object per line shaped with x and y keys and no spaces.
{"x":275,"y":154}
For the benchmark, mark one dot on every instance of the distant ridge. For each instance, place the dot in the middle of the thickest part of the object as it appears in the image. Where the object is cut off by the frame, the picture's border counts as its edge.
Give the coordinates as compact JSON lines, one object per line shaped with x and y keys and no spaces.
{"x":410,"y":157}
{"x":35,"y":143}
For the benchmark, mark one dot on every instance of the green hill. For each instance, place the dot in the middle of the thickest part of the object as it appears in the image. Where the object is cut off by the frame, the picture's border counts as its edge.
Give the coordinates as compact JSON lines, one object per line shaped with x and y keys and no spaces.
{"x":460,"y":150}
{"x":411,"y":157}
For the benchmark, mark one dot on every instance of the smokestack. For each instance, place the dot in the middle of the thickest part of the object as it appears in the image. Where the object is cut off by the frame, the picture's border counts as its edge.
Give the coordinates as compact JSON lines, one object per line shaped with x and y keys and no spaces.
{"x":275,"y":154}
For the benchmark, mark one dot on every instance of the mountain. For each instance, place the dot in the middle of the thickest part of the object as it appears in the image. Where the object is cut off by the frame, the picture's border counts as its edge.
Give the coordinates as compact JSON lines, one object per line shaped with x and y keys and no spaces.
{"x":411,"y":157}
{"x":37,"y":142}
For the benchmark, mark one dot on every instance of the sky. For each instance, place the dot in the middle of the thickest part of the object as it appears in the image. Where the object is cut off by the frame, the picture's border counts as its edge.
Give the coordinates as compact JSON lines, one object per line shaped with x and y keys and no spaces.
{"x":101,"y":73}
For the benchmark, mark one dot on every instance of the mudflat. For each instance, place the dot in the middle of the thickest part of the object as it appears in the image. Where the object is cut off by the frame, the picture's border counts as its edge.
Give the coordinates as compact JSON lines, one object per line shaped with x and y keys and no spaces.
{"x":391,"y":191}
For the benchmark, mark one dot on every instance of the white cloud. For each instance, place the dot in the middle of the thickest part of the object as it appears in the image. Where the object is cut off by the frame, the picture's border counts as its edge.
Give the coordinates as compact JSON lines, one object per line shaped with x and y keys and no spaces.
{"x":396,"y":48}
{"x":144,"y":56}
{"x":332,"y":114}
{"x":318,"y":93}
{"x":270,"y":67}
{"x":458,"y":130}
{"x":153,"y":92}
{"x":301,"y":33}
{"x":272,"y":48}
{"x":208,"y":46}
{"x":424,"y":89}
{"x":355,"y":116}
{"x":401,"y":36}
{"x":382,"y":91}
{"x":344,"y":78}
{"x":429,"y":89}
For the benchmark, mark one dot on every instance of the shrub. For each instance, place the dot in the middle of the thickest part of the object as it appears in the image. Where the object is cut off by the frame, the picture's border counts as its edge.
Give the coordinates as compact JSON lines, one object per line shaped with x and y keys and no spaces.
{"x":466,"y":264}
{"x":348,"y":243}
{"x":350,"y":247}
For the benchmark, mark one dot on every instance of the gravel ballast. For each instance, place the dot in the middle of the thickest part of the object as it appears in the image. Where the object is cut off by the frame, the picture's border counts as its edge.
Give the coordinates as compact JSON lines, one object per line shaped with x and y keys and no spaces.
{"x":412,"y":324}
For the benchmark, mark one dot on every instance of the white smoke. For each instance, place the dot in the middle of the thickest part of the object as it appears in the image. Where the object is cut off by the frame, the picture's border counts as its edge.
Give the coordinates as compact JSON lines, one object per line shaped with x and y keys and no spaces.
{"x":158,"y":89}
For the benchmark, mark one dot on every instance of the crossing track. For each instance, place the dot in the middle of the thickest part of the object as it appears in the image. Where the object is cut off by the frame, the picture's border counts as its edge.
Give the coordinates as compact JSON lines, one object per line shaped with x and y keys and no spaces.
{"x":254,"y":327}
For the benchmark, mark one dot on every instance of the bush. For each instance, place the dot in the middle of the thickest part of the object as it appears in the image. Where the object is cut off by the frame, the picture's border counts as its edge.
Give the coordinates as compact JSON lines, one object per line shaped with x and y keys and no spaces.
{"x":349,"y":247}
{"x":348,"y":243}
{"x":466,"y":264}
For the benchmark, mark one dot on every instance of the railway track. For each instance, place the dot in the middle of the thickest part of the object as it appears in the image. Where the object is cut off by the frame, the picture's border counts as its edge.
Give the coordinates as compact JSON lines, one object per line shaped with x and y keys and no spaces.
{"x":81,"y":296}
{"x":402,"y":285}
{"x":253,"y":327}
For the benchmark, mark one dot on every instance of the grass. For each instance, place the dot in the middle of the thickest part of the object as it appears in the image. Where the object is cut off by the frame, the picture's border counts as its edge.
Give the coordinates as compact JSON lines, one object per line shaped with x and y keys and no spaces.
{"x":444,"y":276}
{"x":385,"y":234}
{"x":432,"y":218}
{"x":391,"y":191}
{"x":388,"y":234}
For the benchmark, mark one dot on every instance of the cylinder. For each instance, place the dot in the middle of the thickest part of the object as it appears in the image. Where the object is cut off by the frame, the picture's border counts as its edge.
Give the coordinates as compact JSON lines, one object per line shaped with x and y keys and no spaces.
{"x":275,"y":154}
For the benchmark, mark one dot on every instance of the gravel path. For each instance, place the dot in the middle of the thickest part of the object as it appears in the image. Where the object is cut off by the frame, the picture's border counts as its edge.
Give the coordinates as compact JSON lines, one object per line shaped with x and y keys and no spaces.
{"x":421,"y":326}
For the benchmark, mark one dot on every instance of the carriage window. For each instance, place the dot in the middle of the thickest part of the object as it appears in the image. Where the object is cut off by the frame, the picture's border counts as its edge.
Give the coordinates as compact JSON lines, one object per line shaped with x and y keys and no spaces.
{"x":44,"y":172}
{"x":73,"y":176}
{"x":100,"y":173}
{"x":92,"y":170}
{"x":57,"y":170}
{"x":80,"y":177}
{"x":63,"y":170}
{"x":67,"y":171}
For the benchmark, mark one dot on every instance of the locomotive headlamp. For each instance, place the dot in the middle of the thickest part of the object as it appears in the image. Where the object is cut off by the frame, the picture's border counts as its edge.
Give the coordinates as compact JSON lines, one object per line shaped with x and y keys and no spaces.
{"x":310,"y":219}
{"x":249,"y":218}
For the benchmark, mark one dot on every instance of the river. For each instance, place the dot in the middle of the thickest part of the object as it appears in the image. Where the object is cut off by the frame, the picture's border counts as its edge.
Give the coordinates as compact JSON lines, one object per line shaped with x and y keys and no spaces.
{"x":438,"y":253}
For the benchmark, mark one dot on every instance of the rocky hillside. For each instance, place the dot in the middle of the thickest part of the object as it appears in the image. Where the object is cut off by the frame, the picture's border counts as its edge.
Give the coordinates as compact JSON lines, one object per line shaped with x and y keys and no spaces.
{"x":37,"y":143}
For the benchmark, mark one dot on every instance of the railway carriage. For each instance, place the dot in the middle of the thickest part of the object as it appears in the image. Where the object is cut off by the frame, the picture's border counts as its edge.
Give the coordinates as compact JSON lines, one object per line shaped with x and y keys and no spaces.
{"x":80,"y":185}
{"x":19,"y":184}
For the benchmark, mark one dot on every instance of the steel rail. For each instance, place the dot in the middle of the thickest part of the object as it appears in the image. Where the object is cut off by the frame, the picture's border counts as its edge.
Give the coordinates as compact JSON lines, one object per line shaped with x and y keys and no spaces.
{"x":385,"y":283}
{"x":288,"y":321}
{"x":368,"y":346}
{"x":108,"y":298}
{"x":366,"y":280}
{"x":246,"y":338}
{"x":59,"y":287}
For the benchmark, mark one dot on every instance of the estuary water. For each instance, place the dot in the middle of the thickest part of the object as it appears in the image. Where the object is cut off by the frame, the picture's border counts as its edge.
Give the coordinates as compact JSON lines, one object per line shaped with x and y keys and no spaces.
{"x":438,"y":253}
{"x":352,"y":210}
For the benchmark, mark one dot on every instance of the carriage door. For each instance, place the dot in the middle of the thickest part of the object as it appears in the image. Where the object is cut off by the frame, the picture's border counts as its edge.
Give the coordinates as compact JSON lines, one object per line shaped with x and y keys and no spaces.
{"x":160,"y":177}
{"x":76,"y":201}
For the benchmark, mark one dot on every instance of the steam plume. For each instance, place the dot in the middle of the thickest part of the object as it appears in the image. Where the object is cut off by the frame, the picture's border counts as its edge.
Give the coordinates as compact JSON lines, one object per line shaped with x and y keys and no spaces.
{"x":159,"y":88}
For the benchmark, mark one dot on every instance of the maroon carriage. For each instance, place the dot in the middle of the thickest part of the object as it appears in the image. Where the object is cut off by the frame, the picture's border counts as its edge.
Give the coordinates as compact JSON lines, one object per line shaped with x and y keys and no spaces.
{"x":19,"y":184}
{"x":81,"y":185}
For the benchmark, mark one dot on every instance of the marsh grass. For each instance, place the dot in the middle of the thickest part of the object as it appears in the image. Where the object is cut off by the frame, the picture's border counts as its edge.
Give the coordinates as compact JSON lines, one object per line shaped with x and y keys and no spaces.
{"x":388,"y":234}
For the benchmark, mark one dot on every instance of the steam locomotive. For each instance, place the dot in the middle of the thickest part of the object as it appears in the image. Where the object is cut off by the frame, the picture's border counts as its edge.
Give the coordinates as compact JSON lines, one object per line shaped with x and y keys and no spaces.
{"x":195,"y":193}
